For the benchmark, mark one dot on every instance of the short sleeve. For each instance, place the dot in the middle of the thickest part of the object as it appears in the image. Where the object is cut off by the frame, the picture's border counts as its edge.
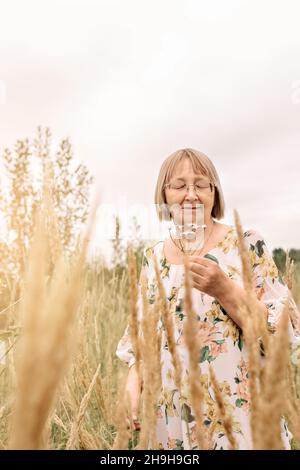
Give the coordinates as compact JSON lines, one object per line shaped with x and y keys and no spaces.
{"x":269,"y":285}
{"x":124,"y":349}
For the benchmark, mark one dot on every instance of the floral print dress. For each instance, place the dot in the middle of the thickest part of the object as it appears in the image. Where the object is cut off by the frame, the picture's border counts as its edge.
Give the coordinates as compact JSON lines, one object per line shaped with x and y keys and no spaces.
{"x":222,"y":344}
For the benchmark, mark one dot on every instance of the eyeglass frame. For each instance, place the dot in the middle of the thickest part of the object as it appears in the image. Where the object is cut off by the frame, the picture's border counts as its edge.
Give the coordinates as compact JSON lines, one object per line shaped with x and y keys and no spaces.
{"x":188,"y":185}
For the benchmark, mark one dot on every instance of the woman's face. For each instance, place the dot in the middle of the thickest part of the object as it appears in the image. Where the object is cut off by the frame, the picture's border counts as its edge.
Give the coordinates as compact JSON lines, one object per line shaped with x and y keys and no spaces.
{"x":186,"y":199}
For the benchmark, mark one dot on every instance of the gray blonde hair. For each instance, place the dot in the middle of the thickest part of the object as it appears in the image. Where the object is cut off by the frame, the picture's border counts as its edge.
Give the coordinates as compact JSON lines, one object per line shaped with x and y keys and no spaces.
{"x":200,"y":162}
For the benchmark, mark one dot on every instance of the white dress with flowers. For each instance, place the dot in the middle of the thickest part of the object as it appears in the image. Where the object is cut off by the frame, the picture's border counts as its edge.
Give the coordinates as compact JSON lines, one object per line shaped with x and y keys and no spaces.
{"x":222,"y":344}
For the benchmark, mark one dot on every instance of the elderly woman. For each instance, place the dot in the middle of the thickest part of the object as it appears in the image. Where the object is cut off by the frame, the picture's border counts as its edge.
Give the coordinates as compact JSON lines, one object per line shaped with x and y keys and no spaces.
{"x":189,"y":193}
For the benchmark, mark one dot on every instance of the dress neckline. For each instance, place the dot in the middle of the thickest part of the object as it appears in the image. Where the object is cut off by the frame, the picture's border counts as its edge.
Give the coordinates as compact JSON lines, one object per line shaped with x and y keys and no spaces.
{"x":218,"y":245}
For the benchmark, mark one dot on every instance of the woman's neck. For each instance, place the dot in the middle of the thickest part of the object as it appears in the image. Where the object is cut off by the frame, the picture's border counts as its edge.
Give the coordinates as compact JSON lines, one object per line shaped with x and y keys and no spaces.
{"x":201,"y":236}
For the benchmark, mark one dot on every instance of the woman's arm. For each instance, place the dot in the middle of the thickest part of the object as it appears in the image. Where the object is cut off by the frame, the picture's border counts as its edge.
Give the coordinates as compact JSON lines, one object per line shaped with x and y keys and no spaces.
{"x":134,"y":390}
{"x":208,"y":277}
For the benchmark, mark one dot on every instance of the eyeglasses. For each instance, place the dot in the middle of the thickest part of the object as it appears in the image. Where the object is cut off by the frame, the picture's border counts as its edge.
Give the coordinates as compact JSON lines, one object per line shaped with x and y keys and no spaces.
{"x":181,"y":188}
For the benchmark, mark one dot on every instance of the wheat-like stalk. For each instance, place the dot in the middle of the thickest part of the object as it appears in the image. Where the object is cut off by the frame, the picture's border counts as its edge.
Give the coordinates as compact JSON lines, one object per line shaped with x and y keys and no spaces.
{"x":46,"y":345}
{"x":76,"y":425}
{"x":169,"y":327}
{"x":292,"y":404}
{"x":190,"y":332}
{"x":134,"y":327}
{"x":151,"y":367}
{"x":88,"y":441}
{"x":289,"y":271}
{"x":273,"y":390}
{"x":253,"y":329}
{"x":122,"y":411}
{"x":224,"y":415}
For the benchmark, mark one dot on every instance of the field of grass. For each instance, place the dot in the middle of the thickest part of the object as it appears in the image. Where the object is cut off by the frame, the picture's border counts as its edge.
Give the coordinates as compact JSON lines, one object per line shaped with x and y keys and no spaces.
{"x":61,"y":384}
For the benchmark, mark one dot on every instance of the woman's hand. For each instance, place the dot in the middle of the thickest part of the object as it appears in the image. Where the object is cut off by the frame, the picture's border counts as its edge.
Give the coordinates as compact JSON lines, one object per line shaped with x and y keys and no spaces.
{"x":208,"y":277}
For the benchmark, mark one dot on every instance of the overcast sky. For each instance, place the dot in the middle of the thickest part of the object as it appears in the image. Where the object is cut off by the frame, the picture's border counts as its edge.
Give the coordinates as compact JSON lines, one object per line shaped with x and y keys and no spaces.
{"x":132,"y":81}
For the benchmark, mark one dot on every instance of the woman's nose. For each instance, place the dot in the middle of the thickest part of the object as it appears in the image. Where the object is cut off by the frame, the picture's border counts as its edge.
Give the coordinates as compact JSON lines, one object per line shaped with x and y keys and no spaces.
{"x":191,"y":195}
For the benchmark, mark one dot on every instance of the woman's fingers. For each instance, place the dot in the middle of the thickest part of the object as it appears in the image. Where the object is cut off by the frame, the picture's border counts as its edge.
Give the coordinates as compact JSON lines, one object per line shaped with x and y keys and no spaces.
{"x":136,"y":424}
{"x":133,"y":423}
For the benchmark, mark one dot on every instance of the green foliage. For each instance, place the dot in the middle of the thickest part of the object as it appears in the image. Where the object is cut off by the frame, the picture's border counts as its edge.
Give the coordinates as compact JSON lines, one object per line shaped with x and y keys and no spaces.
{"x":279,"y":256}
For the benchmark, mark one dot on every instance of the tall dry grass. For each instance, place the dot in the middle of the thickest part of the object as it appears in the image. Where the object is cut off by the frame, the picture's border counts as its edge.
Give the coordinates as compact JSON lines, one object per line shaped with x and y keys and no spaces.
{"x":195,"y":384}
{"x":151,"y":357}
{"x":61,"y":383}
{"x":46,"y":314}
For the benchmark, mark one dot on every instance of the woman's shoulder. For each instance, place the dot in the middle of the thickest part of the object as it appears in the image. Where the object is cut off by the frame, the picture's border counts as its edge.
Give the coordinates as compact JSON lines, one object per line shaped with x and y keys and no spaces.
{"x":253,"y":235}
{"x":253,"y":239}
{"x":257,"y":244}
